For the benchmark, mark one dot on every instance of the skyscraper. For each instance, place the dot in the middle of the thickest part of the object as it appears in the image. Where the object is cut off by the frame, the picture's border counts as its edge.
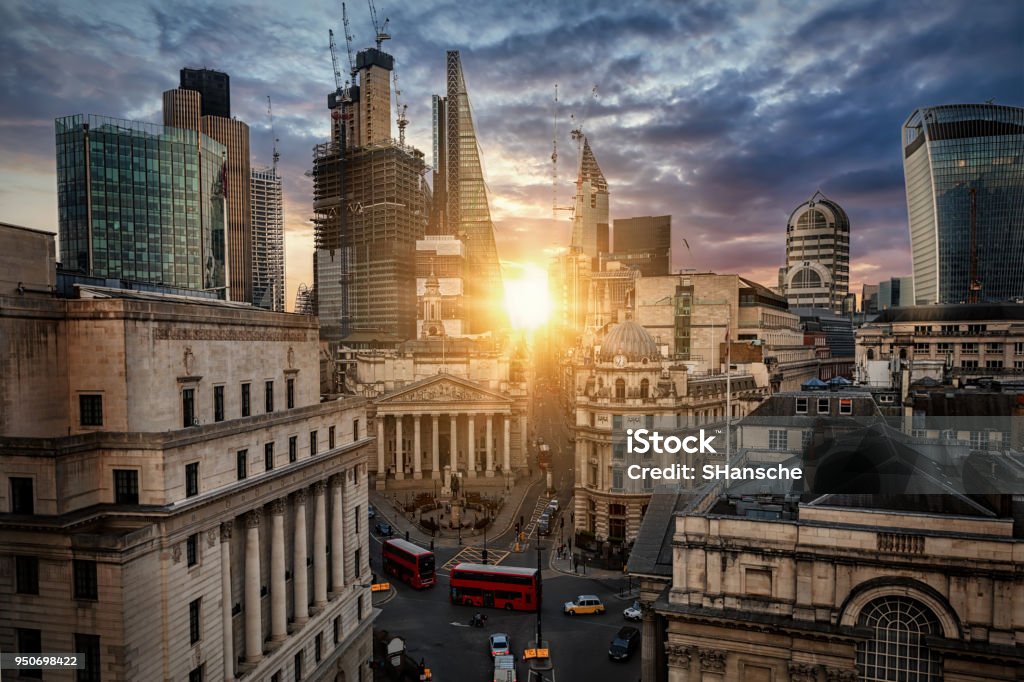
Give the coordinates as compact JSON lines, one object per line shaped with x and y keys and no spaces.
{"x":817,"y":255}
{"x":466,"y":214}
{"x":964,"y":171}
{"x":590,"y":214}
{"x":180,"y":111}
{"x":162,"y":225}
{"x":644,"y":243}
{"x":267,"y":239}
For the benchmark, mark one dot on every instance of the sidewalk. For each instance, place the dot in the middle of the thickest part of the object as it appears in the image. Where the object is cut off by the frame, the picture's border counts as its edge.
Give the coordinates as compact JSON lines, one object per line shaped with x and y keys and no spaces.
{"x":618,"y":582}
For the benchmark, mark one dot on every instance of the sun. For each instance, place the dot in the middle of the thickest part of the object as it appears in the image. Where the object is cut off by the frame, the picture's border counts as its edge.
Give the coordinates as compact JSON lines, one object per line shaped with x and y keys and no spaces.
{"x":527,"y":298}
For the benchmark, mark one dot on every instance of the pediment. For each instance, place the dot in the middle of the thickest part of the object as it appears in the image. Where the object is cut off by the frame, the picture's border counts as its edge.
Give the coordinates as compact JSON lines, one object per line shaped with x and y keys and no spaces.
{"x":444,"y":388}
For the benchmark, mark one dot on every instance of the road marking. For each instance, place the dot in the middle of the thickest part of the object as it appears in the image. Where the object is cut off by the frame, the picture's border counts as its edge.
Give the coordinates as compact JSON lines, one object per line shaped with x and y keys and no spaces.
{"x":458,"y":625}
{"x":474,"y":555}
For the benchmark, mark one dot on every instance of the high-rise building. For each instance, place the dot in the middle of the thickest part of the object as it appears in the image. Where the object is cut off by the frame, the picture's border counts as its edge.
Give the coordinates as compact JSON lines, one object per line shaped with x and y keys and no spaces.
{"x":267,"y":239}
{"x":569,"y":279}
{"x":869,"y":299}
{"x":214,"y":88}
{"x":590,"y":212}
{"x":643,"y":243}
{"x":465,"y":212}
{"x":964,"y":171}
{"x":164,"y":225}
{"x":186,"y":107}
{"x":304,"y":301}
{"x":817,"y":255}
{"x":896,"y":292}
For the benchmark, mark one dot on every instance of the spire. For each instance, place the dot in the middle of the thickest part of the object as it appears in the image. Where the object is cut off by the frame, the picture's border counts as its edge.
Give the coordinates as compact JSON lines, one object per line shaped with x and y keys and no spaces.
{"x":589,"y":170}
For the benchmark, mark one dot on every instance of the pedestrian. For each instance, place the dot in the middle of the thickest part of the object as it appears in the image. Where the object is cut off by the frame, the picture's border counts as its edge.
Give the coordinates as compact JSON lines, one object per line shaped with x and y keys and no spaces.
{"x":575,"y":564}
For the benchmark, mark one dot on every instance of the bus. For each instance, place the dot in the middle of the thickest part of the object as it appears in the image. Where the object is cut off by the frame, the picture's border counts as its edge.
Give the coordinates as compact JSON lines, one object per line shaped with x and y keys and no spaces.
{"x":408,"y":562}
{"x":500,"y":587}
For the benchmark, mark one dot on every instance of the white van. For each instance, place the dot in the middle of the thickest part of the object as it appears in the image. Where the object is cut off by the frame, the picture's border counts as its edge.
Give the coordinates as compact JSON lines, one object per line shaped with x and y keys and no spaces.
{"x":504,"y":669}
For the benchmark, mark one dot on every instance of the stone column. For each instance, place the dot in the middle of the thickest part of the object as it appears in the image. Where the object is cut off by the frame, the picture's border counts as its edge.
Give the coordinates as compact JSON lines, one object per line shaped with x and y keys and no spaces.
{"x":649,"y":644}
{"x":471,"y":429}
{"x":435,"y":454}
{"x":490,"y":446}
{"x":506,"y":463}
{"x":678,"y":657}
{"x":337,"y":533}
{"x":382,"y":471}
{"x":278,"y":598}
{"x":319,"y":545}
{"x":417,"y":465}
{"x":399,"y":449}
{"x":227,"y":631}
{"x":454,"y":457}
{"x":300,"y":576}
{"x":253,"y":622}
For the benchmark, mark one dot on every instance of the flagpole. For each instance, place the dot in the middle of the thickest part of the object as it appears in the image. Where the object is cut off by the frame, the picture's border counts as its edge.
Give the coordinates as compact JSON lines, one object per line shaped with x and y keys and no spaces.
{"x":728,"y":386}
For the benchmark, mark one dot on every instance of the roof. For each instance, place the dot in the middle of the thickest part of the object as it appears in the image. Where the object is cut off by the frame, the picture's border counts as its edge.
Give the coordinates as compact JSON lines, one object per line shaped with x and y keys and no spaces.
{"x":652,"y":549}
{"x":953,"y":312}
{"x":489,"y":568}
{"x":631,"y":340}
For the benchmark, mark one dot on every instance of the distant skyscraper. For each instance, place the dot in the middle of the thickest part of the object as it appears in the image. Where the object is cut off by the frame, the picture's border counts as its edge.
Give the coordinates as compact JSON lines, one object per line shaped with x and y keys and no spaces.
{"x":817,"y":255}
{"x":897,"y":292}
{"x":180,"y":111}
{"x":163,"y":225}
{"x":463,"y":191}
{"x":869,"y":299}
{"x":590,"y":214}
{"x":964,"y":166}
{"x":267,"y":239}
{"x":305,"y":303}
{"x":643,"y":243}
{"x":214,"y":87}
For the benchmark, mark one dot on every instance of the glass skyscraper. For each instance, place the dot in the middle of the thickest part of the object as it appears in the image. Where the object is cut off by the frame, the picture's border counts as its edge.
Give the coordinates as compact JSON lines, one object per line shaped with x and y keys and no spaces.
{"x":140,"y":201}
{"x":964,"y":166}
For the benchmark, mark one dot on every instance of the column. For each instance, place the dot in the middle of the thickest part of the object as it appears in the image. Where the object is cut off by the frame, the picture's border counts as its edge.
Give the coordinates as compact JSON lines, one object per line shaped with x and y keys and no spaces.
{"x":382,"y":472}
{"x":649,"y":644}
{"x":490,"y":446}
{"x":227,"y":631}
{"x":300,"y":576}
{"x":253,"y":623}
{"x":399,"y":450}
{"x":417,"y":466}
{"x":435,"y":461}
{"x":524,"y":436}
{"x":278,"y":598}
{"x":319,"y":545}
{"x":454,"y":457}
{"x":337,"y":533}
{"x":471,"y":428}
{"x":506,"y":463}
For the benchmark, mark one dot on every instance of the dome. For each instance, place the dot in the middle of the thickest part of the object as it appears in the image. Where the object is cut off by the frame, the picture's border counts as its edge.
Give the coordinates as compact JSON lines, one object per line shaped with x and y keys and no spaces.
{"x":630,"y":339}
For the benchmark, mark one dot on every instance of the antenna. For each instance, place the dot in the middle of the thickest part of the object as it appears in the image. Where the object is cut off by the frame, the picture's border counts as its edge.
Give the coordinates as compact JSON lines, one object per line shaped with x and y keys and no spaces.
{"x":270,"y":115}
{"x":380,"y":30}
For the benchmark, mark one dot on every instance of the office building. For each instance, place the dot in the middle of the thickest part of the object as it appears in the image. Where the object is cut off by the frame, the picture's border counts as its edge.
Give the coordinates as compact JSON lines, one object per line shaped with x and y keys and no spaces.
{"x":569,"y":281}
{"x":896,"y":292}
{"x":643,"y":243}
{"x":964,"y":171}
{"x":165,"y":225}
{"x":176,"y":502}
{"x":267,"y":239}
{"x":817,"y":273}
{"x":214,"y":88}
{"x":590,"y":207}
{"x":869,"y":299}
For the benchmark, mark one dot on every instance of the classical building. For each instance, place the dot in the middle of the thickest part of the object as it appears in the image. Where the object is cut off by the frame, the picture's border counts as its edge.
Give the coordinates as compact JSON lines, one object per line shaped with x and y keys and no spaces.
{"x":441,"y":259}
{"x":175,"y":500}
{"x":817,"y":272}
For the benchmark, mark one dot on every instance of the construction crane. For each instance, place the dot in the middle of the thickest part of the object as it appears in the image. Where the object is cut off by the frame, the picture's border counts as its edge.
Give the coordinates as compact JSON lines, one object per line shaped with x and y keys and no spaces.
{"x":577,"y":131}
{"x":555,"y":208}
{"x":277,"y":155}
{"x":402,"y":119}
{"x":348,"y":43}
{"x":380,"y":30}
{"x":334,"y":59}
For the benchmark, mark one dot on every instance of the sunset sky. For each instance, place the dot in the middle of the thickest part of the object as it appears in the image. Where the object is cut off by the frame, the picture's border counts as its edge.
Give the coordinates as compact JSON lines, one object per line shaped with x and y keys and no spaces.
{"x":725,"y":115}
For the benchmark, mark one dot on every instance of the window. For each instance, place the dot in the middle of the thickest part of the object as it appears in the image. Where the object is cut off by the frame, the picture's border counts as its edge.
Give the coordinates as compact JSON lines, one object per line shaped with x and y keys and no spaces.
{"x":330,"y":438}
{"x":969,"y":348}
{"x":126,"y":486}
{"x":268,"y":456}
{"x":617,"y":478}
{"x":822,"y":405}
{"x":90,"y":410}
{"x":22,"y":499}
{"x":312,"y":443}
{"x":922,"y":348}
{"x":358,"y":516}
{"x":944,"y":348}
{"x":337,"y":629}
{"x":801,"y":405}
{"x":845,"y":406}
{"x":242,"y":464}
{"x":977,"y":328}
{"x":192,"y":549}
{"x":1018,"y":348}
{"x":620,"y":389}
{"x":978,"y":439}
{"x":358,"y":559}
{"x":359,"y":608}
{"x":196,"y":674}
{"x":85,"y":579}
{"x":1018,"y":364}
{"x":290,"y":393}
{"x":645,"y":388}
{"x":276,"y":677}
{"x":298,"y":665}
{"x":89,"y":647}
{"x":30,"y":642}
{"x":246,"y":406}
{"x":192,"y":479}
{"x":922,"y":329}
{"x":188,"y":407}
{"x":805,"y":438}
{"x":26,"y":574}
{"x":268,"y":396}
{"x":355,"y":429}
{"x":318,"y":645}
{"x":778,"y":439}
{"x":194,"y":630}
{"x":897,"y":649}
{"x":993,"y":364}
{"x":993,"y":348}
{"x":218,"y":403}
{"x":969,"y":364}
{"x":293,"y":448}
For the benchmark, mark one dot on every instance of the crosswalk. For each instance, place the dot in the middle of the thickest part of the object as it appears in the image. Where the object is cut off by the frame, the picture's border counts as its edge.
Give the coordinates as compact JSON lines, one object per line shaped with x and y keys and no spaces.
{"x":531,"y":524}
{"x":474,"y":555}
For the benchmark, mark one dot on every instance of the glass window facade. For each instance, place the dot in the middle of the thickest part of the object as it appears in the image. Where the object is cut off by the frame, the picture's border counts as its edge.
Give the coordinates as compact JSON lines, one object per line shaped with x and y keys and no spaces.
{"x":140,"y":201}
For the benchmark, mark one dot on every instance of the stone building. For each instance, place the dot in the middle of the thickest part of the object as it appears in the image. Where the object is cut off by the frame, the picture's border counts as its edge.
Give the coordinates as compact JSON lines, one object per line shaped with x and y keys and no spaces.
{"x":175,"y":500}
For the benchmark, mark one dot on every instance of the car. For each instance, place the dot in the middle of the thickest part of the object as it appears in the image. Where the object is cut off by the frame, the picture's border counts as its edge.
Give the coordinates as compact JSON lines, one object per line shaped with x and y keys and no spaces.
{"x":500,"y":644}
{"x":384,"y":530}
{"x":544,"y":524}
{"x":583,"y":605}
{"x":624,"y":643}
{"x":632,"y":612}
{"x":553,"y":504}
{"x":370,"y":511}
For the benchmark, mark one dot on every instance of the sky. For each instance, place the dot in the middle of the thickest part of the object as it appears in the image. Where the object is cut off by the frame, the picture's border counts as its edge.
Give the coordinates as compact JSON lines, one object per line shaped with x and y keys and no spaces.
{"x":726,"y":114}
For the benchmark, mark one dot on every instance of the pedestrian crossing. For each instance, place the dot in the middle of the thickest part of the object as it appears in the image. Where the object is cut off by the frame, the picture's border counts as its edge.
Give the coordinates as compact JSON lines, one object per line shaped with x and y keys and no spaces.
{"x":474,"y":555}
{"x":531,"y":524}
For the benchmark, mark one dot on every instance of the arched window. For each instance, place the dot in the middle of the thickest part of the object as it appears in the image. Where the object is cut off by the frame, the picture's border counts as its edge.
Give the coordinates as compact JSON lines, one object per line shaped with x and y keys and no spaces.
{"x":645,"y":388}
{"x":620,"y":389}
{"x":897,"y":651}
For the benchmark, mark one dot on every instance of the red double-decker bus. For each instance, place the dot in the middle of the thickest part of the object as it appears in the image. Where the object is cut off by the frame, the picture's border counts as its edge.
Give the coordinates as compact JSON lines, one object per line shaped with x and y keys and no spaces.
{"x":500,"y":587}
{"x":408,"y":562}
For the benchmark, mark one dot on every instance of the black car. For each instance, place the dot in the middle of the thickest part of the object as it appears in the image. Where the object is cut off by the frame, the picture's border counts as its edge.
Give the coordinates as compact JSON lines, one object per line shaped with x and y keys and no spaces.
{"x":385,"y":530}
{"x":624,"y":644}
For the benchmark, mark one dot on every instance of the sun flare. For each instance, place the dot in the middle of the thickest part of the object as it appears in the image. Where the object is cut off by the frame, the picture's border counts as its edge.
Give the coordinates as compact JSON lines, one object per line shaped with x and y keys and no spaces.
{"x":527,"y":298}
